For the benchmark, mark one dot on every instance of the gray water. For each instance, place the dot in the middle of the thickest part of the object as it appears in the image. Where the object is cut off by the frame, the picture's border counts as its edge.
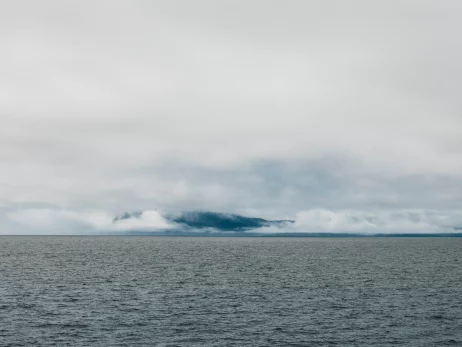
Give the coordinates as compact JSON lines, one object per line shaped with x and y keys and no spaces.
{"x":159,"y":291}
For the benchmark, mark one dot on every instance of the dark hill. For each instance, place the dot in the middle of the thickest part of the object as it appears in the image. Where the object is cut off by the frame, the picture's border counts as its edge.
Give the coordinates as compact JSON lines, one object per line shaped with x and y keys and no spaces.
{"x":223,"y":221}
{"x":213,"y":220}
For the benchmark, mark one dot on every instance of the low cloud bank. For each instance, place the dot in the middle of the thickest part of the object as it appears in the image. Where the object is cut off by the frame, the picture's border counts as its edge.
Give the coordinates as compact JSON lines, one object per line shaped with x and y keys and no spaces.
{"x":52,"y":221}
{"x":55,"y":221}
{"x":370,"y":222}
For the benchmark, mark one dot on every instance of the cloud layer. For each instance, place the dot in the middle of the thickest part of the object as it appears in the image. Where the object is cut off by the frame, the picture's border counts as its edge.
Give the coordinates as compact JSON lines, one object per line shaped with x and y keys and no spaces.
{"x":264,"y":108}
{"x":402,"y":221}
{"x":49,"y":221}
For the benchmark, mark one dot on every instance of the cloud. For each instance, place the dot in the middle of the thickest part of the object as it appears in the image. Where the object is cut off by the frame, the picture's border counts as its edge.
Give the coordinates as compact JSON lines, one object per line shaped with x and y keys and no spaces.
{"x":382,"y":221}
{"x":256,"y":106}
{"x":147,"y":221}
{"x":53,"y":221}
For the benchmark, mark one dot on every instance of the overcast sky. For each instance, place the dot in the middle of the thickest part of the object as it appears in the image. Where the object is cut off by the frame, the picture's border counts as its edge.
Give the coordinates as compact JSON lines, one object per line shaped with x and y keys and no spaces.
{"x":278,"y":109}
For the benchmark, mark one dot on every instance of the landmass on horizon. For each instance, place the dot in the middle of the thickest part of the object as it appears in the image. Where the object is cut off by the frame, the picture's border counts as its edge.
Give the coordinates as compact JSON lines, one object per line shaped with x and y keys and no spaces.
{"x":208,"y":223}
{"x":212,"y":221}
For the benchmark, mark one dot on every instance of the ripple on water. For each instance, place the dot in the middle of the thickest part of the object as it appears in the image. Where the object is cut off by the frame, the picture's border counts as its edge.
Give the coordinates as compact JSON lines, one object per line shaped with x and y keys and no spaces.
{"x":145,"y":291}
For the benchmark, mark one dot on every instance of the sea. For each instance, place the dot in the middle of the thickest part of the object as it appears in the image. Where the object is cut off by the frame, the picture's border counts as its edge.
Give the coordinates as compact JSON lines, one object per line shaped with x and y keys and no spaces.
{"x":230,"y":291}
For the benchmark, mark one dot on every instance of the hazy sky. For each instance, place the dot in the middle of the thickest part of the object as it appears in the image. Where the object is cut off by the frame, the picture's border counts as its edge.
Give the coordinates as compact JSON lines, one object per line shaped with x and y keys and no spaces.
{"x":298,"y":109}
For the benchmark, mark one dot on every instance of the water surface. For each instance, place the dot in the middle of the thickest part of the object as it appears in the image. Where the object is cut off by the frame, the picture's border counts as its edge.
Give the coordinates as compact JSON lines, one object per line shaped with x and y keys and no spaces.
{"x":199,"y":291}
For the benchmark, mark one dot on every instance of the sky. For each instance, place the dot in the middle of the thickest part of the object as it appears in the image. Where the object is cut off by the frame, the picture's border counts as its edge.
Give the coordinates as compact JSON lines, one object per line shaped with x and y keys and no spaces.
{"x":342,"y":115}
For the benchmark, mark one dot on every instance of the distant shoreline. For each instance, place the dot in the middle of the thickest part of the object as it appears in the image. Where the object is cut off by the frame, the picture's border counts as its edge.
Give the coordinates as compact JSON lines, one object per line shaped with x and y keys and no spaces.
{"x":244,"y":235}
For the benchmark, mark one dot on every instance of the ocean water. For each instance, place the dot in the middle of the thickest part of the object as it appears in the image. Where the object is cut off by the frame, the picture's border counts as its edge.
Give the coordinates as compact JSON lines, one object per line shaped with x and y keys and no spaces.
{"x":200,"y":291}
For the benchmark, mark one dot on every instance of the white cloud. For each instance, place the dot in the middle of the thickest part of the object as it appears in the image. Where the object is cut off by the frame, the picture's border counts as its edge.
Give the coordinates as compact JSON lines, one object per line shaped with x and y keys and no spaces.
{"x":147,"y":221}
{"x":383,"y":221}
{"x":120,"y":105}
{"x":53,"y":221}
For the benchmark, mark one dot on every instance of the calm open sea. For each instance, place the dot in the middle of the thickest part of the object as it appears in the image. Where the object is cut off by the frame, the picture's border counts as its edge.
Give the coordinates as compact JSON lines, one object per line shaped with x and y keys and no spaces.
{"x":200,"y":291}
